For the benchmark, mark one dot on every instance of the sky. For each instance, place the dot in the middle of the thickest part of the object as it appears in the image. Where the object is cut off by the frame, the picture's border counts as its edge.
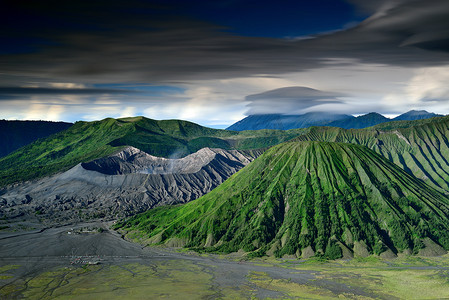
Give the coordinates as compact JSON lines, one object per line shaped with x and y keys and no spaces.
{"x":215,"y":62}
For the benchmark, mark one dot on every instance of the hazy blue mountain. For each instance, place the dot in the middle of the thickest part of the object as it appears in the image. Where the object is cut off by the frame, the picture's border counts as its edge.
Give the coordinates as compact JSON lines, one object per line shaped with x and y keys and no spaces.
{"x":16,"y":134}
{"x":286,"y":122}
{"x":363,"y":121}
{"x":416,"y":115}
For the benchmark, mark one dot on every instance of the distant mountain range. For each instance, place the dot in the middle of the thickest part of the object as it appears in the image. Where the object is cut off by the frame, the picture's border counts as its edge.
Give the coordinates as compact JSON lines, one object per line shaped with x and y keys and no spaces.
{"x":16,"y":134}
{"x":285,"y":122}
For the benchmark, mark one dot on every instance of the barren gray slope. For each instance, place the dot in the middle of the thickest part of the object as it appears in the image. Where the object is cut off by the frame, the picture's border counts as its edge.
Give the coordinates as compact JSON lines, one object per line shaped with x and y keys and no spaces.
{"x":143,"y":182}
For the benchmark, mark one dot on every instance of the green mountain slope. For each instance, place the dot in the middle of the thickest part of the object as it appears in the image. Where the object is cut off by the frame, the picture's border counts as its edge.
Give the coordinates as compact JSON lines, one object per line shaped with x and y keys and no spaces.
{"x":420,"y":147}
{"x":307,"y":198}
{"x":85,"y":141}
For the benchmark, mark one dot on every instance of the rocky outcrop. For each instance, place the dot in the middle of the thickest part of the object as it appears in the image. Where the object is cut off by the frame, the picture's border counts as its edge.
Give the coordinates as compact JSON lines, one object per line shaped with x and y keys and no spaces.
{"x":122,"y":184}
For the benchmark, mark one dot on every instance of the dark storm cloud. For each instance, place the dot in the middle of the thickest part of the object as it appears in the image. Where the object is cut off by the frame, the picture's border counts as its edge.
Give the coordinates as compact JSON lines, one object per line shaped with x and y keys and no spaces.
{"x":58,"y":91}
{"x":26,"y":93}
{"x":106,"y":41}
{"x":423,"y":24}
{"x":289,"y":100}
{"x":395,"y":34}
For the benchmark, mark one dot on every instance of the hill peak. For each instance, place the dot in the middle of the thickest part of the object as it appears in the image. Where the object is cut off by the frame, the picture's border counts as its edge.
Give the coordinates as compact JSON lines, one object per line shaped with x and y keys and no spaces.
{"x":133,"y":119}
{"x":415,"y":115}
{"x":372,"y":114}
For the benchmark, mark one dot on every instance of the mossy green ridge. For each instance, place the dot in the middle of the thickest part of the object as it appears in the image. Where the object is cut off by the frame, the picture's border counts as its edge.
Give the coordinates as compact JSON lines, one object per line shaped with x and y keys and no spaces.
{"x":421,"y":147}
{"x":86,"y":141}
{"x":303,"y":199}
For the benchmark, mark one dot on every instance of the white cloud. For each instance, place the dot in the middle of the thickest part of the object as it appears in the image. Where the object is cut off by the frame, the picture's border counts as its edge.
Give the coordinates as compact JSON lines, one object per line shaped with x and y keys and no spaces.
{"x":429,"y":84}
{"x":162,"y":111}
{"x":66,"y":85}
{"x":44,"y":112}
{"x":426,"y":89}
{"x":291,"y":100}
{"x":128,"y":112}
{"x":100,"y":112}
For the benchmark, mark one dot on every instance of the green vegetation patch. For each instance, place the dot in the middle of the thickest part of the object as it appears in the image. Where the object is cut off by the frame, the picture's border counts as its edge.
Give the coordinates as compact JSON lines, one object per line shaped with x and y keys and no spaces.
{"x":169,"y":279}
{"x":407,"y":277}
{"x":387,"y":281}
{"x":7,"y":268}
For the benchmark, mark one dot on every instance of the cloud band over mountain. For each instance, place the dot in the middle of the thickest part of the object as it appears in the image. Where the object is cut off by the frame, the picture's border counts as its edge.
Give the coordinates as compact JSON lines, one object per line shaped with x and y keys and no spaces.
{"x":157,"y":43}
{"x":289,"y":100}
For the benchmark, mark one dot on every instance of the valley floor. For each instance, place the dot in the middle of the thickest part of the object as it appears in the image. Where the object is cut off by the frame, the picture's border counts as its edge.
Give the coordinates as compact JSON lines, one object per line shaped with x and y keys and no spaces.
{"x":88,"y":261}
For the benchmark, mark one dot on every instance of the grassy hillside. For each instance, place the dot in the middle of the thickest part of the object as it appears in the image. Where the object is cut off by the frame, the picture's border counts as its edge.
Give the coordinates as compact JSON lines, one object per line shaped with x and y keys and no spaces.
{"x":306,"y":198}
{"x":419,"y":147}
{"x":85,"y":141}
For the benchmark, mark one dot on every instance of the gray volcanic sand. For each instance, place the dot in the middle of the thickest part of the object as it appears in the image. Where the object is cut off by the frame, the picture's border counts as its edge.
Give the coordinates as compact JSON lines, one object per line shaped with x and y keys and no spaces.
{"x":43,"y":250}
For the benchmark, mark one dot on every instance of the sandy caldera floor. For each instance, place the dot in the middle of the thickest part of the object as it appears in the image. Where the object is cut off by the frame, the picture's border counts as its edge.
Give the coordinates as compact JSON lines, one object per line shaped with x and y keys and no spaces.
{"x":89,"y":261}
